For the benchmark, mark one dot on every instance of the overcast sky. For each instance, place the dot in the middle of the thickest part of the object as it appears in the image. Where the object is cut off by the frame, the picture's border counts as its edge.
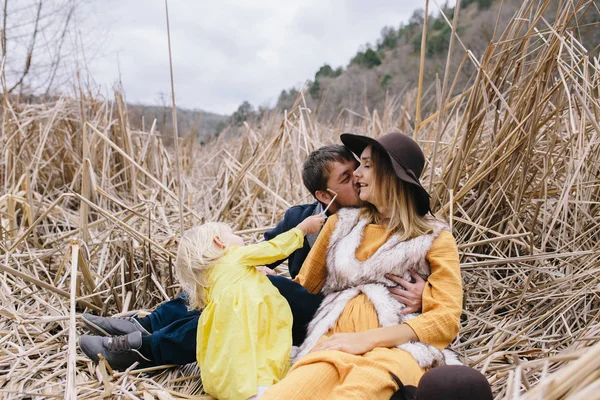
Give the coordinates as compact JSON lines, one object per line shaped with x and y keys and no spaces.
{"x":228,"y":51}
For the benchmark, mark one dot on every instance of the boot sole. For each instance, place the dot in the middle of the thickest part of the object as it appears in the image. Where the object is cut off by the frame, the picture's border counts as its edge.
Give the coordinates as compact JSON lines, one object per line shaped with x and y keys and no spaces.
{"x":94,"y":357}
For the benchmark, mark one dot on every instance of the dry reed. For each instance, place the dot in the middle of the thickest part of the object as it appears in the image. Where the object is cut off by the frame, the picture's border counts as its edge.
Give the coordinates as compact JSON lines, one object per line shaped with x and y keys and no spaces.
{"x":89,"y":216}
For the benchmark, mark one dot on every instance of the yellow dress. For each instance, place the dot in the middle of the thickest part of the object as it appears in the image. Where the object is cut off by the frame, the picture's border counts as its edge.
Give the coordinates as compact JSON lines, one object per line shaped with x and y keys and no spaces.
{"x":245,"y":330}
{"x":332,"y":374}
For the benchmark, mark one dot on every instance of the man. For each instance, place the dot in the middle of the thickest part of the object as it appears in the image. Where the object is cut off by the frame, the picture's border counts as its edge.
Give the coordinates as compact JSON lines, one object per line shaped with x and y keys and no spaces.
{"x":168,"y":335}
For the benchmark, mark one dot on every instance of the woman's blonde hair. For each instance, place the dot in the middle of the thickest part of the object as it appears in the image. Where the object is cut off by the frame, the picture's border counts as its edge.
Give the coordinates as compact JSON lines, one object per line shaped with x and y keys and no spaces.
{"x":198,"y":252}
{"x":398,"y":196}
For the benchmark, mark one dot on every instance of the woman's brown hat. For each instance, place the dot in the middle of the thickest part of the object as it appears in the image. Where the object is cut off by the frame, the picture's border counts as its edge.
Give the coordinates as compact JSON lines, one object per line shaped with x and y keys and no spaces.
{"x":405,"y":155}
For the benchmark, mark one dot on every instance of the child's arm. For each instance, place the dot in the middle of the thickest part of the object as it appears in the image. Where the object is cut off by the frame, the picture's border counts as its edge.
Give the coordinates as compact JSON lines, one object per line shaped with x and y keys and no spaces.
{"x":280,"y":246}
{"x":282,"y":226}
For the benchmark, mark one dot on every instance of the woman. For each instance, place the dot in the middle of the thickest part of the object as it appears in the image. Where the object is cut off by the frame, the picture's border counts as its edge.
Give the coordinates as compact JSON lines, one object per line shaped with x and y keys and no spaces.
{"x":359,"y":345}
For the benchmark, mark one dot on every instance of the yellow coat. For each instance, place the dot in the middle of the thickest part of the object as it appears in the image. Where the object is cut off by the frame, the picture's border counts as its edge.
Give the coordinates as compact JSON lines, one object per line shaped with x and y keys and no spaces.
{"x":245,"y":330}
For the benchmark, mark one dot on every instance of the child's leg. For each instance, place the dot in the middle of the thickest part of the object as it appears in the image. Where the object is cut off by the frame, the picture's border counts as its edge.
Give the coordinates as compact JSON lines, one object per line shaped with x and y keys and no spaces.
{"x":168,"y":313}
{"x":176,"y":343}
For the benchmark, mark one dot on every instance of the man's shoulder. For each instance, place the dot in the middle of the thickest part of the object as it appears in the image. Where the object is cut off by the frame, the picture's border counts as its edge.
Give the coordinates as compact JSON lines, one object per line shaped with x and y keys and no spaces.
{"x":293,"y":216}
{"x":300,"y":212}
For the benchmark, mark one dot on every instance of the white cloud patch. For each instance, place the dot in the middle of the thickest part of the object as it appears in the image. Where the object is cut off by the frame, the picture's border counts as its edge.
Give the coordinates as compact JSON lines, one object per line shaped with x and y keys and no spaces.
{"x":227,"y":51}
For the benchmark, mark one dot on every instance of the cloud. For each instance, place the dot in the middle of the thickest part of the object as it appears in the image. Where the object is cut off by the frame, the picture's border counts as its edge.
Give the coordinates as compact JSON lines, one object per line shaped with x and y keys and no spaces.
{"x":230,"y":51}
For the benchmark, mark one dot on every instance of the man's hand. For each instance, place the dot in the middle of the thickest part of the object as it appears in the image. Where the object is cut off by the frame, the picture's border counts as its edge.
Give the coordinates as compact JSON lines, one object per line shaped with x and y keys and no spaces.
{"x":266,"y":270}
{"x":409,"y":294}
{"x":353,"y":343}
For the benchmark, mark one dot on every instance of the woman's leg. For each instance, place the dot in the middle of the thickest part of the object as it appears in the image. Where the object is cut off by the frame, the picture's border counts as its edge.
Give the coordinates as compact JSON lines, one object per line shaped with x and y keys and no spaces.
{"x":310,"y":381}
{"x":337,"y":375}
{"x":370,"y":375}
{"x":365,"y":382}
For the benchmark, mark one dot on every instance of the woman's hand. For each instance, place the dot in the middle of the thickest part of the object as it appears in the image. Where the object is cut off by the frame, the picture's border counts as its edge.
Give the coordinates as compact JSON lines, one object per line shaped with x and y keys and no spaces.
{"x":409,"y":294}
{"x":353,"y":343}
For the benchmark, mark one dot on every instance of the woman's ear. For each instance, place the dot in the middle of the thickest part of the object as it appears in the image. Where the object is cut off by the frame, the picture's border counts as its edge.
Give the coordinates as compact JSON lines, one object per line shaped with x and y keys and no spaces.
{"x":220,"y":244}
{"x":323,"y":196}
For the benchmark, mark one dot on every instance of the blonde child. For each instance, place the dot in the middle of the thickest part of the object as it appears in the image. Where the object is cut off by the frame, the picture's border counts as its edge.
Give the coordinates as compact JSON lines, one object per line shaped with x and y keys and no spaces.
{"x":245,"y":330}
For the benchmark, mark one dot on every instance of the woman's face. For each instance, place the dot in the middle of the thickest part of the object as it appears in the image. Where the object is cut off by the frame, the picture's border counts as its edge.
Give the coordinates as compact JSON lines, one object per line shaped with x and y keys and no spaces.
{"x":364,"y":176}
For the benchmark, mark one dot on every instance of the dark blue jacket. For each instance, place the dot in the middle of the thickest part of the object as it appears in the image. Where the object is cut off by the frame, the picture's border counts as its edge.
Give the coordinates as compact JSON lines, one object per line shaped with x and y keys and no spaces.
{"x":293,"y":216}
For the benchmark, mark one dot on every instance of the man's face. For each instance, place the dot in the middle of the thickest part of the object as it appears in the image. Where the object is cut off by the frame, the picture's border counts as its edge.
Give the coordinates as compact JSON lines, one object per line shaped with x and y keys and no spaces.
{"x":342,"y":181}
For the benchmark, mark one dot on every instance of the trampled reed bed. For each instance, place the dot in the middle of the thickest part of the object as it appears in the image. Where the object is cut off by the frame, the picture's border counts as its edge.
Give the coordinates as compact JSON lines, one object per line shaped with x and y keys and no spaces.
{"x":89,"y":215}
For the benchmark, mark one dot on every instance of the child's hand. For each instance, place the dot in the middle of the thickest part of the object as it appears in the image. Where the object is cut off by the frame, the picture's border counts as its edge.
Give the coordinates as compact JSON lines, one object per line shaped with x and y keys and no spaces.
{"x":311,"y":224}
{"x":266,"y":270}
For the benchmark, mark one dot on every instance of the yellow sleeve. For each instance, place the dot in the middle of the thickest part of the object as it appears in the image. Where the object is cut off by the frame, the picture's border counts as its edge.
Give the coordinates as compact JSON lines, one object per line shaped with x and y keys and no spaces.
{"x":439,"y":323}
{"x":314,"y":269}
{"x":281,"y":246}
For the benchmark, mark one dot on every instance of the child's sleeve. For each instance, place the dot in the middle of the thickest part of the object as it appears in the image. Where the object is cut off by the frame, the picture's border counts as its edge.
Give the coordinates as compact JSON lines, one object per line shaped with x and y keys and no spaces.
{"x":272,"y":250}
{"x":281,"y":227}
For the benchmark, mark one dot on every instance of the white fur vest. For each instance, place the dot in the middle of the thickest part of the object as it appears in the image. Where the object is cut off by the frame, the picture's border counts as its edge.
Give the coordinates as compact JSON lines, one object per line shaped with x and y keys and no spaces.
{"x":347,"y":277}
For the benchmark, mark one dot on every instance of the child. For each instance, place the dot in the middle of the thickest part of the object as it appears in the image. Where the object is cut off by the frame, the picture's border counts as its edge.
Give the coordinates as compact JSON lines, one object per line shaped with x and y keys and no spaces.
{"x":245,"y":330}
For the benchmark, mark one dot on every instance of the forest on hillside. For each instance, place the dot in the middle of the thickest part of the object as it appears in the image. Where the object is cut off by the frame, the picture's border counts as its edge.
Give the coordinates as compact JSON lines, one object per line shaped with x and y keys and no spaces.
{"x":388,"y":70}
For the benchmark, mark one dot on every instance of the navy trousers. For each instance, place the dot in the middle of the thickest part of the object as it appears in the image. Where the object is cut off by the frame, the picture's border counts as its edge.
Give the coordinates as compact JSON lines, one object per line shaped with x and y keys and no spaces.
{"x":174,"y":327}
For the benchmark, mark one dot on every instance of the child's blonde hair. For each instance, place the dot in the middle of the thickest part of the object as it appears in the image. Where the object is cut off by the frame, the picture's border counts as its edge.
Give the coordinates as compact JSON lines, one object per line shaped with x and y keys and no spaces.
{"x":198,"y":252}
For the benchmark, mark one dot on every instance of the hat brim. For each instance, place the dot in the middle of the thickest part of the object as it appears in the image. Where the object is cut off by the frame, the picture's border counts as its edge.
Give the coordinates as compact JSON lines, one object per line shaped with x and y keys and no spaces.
{"x":358,"y":143}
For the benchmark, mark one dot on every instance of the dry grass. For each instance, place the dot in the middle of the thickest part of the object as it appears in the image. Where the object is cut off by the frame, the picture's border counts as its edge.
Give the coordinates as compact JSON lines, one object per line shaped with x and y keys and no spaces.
{"x":517,"y":173}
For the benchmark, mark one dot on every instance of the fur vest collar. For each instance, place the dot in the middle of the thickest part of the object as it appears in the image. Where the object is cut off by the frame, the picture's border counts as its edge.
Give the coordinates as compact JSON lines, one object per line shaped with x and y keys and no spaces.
{"x":393,"y":257}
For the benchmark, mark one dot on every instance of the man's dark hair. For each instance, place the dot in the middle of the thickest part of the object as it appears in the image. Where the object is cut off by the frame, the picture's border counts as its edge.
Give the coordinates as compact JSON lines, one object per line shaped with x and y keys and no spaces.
{"x":317,"y":166}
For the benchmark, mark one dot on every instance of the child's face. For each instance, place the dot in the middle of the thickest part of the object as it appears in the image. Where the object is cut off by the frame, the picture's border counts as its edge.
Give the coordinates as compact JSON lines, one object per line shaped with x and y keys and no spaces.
{"x":231,"y":239}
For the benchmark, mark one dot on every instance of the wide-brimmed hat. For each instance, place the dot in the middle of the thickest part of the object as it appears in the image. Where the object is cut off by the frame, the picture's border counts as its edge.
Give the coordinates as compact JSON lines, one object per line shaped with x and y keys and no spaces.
{"x":405,"y":155}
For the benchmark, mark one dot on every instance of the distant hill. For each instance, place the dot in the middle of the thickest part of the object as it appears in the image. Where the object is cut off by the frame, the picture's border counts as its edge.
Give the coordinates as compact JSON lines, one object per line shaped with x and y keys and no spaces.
{"x":197,"y":122}
{"x":391,"y":67}
{"x":388,"y":71}
{"x":201,"y":123}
